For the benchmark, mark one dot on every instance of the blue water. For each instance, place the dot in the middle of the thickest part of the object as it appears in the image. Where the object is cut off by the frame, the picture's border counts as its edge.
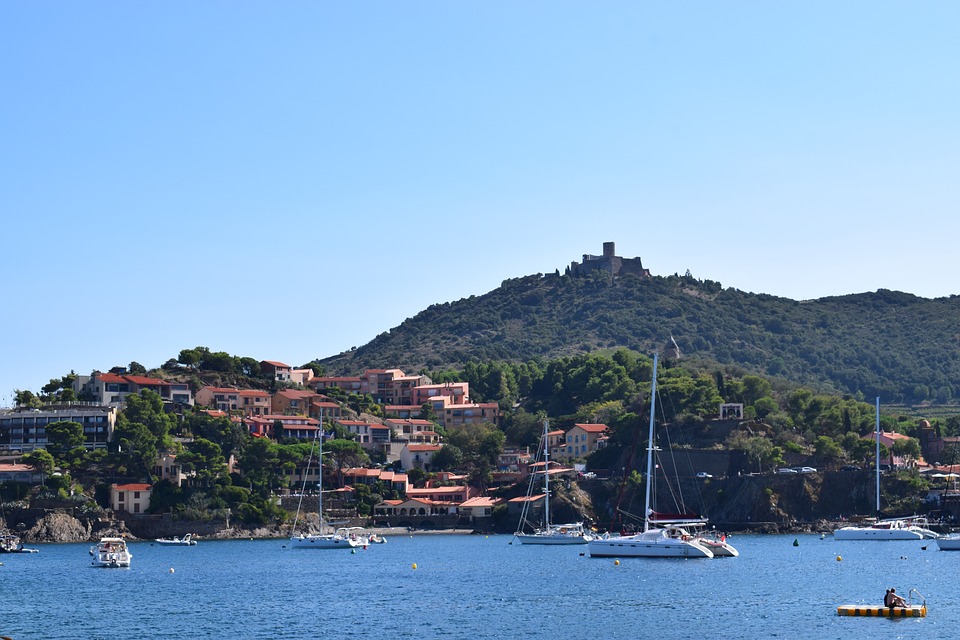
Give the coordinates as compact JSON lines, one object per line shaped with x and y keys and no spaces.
{"x":474,"y":587}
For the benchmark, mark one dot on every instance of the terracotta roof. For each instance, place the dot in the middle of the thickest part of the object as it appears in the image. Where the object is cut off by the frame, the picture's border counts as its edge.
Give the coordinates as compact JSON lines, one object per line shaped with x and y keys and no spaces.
{"x":423,"y":447}
{"x":131,"y":487}
{"x":254,"y":393}
{"x":593,"y":428}
{"x":274,"y":363}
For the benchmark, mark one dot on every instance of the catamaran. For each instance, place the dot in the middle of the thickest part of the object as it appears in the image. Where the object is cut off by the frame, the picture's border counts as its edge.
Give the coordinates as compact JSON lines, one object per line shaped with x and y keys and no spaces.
{"x":663,"y":538}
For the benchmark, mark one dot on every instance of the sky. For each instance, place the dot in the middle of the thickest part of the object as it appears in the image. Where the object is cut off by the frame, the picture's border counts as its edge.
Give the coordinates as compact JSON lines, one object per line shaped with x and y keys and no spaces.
{"x":286,"y":180}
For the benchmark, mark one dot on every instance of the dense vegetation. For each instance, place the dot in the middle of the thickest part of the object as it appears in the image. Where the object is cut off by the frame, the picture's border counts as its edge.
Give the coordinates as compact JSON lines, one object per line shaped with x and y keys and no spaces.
{"x":889,"y":344}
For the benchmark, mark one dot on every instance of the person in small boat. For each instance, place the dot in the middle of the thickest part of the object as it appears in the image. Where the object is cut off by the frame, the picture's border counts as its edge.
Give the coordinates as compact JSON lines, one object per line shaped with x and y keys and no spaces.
{"x":892,"y":600}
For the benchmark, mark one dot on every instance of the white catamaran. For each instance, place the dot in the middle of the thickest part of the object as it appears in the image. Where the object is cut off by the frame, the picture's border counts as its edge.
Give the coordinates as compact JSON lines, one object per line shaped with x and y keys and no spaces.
{"x":547,"y":532}
{"x":659,"y":538}
{"x":888,"y":529}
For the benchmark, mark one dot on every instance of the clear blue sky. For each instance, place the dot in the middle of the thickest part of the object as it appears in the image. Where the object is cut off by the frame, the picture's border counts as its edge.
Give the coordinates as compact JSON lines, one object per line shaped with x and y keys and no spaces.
{"x":286,"y":180}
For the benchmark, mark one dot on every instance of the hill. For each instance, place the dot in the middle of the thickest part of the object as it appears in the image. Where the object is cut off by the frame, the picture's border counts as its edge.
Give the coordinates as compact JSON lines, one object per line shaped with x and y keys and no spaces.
{"x":895,"y":345}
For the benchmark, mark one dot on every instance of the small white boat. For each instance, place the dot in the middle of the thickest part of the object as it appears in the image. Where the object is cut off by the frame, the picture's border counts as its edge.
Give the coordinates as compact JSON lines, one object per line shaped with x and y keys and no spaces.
{"x":111,"y":553}
{"x":185,"y":541}
{"x":887,"y":529}
{"x":949,"y":543}
{"x":10,"y":543}
{"x":892,"y":529}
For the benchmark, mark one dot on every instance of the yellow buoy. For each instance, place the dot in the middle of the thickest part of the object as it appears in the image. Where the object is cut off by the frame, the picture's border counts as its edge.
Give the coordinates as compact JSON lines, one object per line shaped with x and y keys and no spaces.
{"x":839,"y":558}
{"x":616,"y":563}
{"x":414,"y":565}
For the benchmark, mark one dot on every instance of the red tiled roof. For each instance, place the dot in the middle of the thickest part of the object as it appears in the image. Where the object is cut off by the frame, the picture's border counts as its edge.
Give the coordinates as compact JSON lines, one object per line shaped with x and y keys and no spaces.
{"x":254,"y":393}
{"x":131,"y":487}
{"x":423,"y":447}
{"x":593,"y":428}
{"x":274,"y":363}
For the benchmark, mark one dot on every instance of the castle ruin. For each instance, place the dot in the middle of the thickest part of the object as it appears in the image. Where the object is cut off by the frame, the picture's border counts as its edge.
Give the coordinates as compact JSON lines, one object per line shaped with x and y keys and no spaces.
{"x":610,"y":263}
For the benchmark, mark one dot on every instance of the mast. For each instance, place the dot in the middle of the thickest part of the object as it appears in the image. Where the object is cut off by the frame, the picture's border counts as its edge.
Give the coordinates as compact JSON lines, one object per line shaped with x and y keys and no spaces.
{"x":653,"y":400}
{"x":546,"y":478}
{"x":877,"y":463}
{"x":320,"y":469}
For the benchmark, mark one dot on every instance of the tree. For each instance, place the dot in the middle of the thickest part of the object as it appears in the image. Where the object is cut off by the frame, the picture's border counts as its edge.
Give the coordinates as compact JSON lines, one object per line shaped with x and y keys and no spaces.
{"x":136,"y":369}
{"x":278,"y":431}
{"x":42,"y":461}
{"x":908,"y":448}
{"x":827,"y":449}
{"x":448,"y":458}
{"x":27,"y":399}
{"x":64,"y":436}
{"x":345,"y":454}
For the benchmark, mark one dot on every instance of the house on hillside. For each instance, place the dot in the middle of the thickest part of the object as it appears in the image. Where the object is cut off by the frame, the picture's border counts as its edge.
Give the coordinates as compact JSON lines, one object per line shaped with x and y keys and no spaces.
{"x":131,"y":498}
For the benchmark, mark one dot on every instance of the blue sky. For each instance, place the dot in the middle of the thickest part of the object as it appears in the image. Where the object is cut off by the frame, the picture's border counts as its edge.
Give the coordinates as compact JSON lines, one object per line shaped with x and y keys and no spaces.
{"x":286,"y":180}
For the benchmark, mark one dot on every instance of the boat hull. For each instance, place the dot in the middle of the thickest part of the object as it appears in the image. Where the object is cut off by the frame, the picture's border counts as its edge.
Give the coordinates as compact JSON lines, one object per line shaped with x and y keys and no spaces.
{"x":323,"y":542}
{"x":948,"y":544}
{"x":870,"y":533}
{"x":551,"y":538}
{"x":649,"y":544}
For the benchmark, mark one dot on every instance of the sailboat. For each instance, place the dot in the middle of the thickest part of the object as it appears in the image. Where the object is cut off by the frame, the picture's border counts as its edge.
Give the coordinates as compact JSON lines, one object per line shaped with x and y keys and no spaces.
{"x":660,"y":538}
{"x":547,"y":532}
{"x":888,"y":529}
{"x":340,"y":538}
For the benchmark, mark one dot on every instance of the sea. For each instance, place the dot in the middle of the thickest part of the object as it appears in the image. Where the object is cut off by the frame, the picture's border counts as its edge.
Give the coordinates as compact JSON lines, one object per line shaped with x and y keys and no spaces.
{"x":475,"y":586}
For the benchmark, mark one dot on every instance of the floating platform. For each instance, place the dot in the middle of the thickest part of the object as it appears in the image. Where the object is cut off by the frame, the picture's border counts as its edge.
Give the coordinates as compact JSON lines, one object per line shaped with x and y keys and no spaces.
{"x":879,"y":611}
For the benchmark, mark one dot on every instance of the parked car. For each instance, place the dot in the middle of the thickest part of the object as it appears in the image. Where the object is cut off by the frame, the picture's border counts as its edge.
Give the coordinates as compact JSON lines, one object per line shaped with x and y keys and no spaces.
{"x":786,"y":470}
{"x":704,"y":474}
{"x":805,"y":470}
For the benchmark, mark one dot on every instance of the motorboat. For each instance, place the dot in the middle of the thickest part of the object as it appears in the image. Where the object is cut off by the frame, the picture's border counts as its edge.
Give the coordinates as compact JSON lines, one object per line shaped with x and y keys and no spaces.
{"x":889,"y":529}
{"x":185,"y":541}
{"x":661,"y":537}
{"x":10,"y":543}
{"x":546,"y":532}
{"x":915,"y":528}
{"x":111,"y":553}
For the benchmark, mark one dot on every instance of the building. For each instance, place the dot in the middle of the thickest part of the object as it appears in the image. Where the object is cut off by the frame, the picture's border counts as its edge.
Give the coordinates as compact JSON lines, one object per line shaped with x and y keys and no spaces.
{"x":111,"y":389}
{"x":20,"y":473}
{"x":610,"y":263}
{"x":252,"y":402}
{"x":300,"y":427}
{"x":581,"y":440}
{"x":372,"y":436}
{"x":131,"y":498}
{"x":23,"y":429}
{"x":458,"y":392}
{"x":418,"y":456}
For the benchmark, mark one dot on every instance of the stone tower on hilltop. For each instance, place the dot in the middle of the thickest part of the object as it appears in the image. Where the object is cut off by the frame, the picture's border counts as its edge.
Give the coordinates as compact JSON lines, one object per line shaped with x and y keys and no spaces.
{"x":610,"y":263}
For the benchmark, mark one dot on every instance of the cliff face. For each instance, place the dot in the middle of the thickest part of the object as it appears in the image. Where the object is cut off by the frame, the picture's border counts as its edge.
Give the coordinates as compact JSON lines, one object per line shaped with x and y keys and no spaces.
{"x":41,"y":525}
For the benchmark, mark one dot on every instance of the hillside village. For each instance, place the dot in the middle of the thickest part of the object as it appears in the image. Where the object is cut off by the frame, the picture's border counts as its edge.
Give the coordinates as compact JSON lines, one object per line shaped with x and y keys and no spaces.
{"x":302,"y":409}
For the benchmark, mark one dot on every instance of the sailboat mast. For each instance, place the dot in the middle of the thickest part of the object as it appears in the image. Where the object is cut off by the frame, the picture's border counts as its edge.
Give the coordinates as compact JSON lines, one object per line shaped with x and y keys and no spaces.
{"x":653,"y":401}
{"x":877,"y":463}
{"x":546,"y":479}
{"x":320,"y":469}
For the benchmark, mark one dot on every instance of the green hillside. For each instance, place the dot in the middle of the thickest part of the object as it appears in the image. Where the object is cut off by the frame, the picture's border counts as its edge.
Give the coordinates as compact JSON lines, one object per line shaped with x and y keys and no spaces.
{"x":889,"y":344}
